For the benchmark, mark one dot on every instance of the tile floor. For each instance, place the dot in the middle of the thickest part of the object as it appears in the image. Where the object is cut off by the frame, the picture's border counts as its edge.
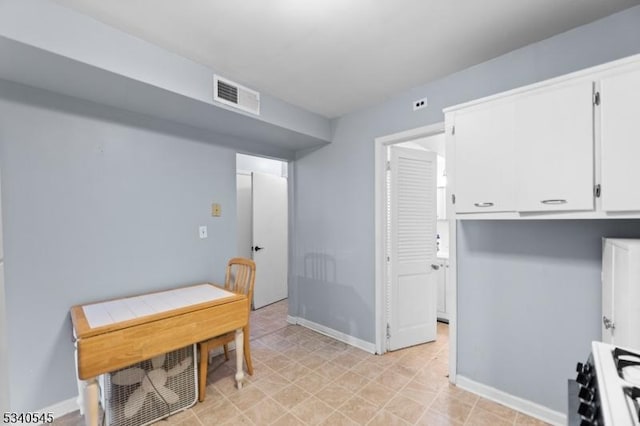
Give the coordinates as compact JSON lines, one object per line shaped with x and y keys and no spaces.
{"x":305,"y":378}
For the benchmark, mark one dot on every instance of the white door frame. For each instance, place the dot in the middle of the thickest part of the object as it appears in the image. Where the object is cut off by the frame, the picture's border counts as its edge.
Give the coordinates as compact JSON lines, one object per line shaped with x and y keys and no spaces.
{"x":381,"y":143}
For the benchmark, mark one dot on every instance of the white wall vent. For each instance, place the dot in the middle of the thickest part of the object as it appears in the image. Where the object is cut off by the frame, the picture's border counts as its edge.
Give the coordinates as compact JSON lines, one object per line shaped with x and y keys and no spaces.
{"x":230,"y":93}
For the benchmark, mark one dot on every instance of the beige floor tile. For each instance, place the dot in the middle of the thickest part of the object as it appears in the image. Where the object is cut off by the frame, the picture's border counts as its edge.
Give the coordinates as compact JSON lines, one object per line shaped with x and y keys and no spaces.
{"x":358,"y":410}
{"x":352,"y":381}
{"x":481,"y":417}
{"x":291,"y":396}
{"x":247,"y":397}
{"x":238,"y":420}
{"x":280,"y":362}
{"x":524,"y":420}
{"x":218,"y":414}
{"x":460,"y":394}
{"x":213,"y":398}
{"x":226,"y":386}
{"x":377,"y":394}
{"x":454,"y":409}
{"x":331,"y":371}
{"x":312,"y":361}
{"x":405,"y":370}
{"x":263,"y":354}
{"x":284,"y":345}
{"x":191,"y":421}
{"x":435,"y":418}
{"x":347,"y":359}
{"x":265,"y":412}
{"x":385,"y":418}
{"x":312,"y":410}
{"x":368,"y":368}
{"x":338,"y":419}
{"x":272,"y":383}
{"x":358,"y":353}
{"x":299,"y":352}
{"x":179,"y":418}
{"x":419,"y":392}
{"x":392,"y":380}
{"x":334,"y":395}
{"x":405,"y":408}
{"x":288,"y":420}
{"x":312,"y":382}
{"x":294,"y":372}
{"x":497,"y":409}
{"x":430,"y":378}
{"x":327,"y":352}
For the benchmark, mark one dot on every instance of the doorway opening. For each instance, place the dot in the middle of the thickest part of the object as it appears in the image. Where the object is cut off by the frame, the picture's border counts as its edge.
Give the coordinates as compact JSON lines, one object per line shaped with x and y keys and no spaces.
{"x":435,"y":263}
{"x":262,"y":224}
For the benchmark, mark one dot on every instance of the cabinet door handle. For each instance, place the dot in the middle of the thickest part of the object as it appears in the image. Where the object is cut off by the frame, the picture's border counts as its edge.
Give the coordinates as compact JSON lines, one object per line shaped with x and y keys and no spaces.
{"x":485,"y":204}
{"x":555,"y":202}
{"x":435,"y":267}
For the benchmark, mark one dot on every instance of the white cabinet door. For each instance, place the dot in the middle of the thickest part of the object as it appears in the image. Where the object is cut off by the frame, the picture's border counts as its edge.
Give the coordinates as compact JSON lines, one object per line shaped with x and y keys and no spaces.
{"x":484,"y":166}
{"x":554,"y":134}
{"x":620,"y":142}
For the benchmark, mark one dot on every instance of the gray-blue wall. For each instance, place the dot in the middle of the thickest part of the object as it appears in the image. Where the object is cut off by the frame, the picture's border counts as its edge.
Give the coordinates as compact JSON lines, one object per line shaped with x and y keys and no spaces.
{"x":334,"y":225}
{"x":98,"y":203}
{"x":529,"y":301}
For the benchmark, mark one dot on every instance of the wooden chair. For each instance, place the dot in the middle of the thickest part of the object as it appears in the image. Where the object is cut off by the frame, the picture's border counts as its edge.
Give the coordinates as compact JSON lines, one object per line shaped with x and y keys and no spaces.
{"x":240,"y":277}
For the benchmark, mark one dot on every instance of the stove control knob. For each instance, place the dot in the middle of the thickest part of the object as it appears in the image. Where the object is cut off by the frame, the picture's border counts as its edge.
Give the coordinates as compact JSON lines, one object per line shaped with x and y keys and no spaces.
{"x":584,"y":379}
{"x":586,"y":411}
{"x":586,"y":394}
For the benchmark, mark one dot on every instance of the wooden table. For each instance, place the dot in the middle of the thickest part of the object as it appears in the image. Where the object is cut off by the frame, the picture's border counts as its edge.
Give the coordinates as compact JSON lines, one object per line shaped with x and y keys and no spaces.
{"x":118,"y":333}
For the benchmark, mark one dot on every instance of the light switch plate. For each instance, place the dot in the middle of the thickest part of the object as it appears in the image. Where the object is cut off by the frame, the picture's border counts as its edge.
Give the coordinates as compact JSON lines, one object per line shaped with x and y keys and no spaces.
{"x":216,"y":210}
{"x":203,"y":232}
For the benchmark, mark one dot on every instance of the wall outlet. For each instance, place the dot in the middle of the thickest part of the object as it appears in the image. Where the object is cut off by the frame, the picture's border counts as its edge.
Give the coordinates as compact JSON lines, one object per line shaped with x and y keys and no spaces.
{"x":203,"y":232}
{"x":420,"y":103}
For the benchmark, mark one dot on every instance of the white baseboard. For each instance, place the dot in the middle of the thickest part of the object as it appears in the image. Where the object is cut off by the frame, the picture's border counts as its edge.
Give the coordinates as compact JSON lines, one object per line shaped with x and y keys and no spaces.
{"x":338,"y":335}
{"x":61,"y":408}
{"x":530,"y":408}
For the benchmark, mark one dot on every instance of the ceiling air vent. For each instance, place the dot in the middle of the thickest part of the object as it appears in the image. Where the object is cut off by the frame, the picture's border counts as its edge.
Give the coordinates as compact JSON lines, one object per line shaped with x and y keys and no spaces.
{"x":230,"y":93}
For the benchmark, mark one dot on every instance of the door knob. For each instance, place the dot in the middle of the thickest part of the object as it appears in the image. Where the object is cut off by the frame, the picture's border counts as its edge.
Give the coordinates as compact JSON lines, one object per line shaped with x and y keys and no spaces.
{"x":435,"y":267}
{"x":256,"y":248}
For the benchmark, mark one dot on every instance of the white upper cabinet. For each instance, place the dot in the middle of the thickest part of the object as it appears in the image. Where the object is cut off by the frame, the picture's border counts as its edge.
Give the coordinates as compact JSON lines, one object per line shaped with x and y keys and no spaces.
{"x":620,"y":141}
{"x":484,"y":167}
{"x":565,"y":148}
{"x":555,"y":148}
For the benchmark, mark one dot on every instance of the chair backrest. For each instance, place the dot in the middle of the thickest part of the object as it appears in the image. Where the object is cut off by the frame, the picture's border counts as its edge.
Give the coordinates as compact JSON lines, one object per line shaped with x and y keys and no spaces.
{"x":241,"y":276}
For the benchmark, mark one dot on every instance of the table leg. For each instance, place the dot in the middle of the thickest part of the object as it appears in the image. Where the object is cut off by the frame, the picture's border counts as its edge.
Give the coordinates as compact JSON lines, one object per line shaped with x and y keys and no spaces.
{"x":80,"y":383}
{"x":239,"y":357}
{"x":91,"y":402}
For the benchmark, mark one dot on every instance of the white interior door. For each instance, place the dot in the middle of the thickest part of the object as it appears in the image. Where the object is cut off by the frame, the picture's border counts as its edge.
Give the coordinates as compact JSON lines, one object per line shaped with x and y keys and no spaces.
{"x":270,"y":223}
{"x":412,"y":294}
{"x":243,"y":216}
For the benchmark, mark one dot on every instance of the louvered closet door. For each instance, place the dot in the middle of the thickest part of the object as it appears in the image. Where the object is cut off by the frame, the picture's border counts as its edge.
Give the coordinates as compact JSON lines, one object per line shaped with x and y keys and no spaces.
{"x":412,"y":237}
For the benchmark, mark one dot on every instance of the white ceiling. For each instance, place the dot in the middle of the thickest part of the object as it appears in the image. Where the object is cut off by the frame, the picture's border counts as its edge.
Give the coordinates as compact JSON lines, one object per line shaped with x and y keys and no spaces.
{"x":335,"y":56}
